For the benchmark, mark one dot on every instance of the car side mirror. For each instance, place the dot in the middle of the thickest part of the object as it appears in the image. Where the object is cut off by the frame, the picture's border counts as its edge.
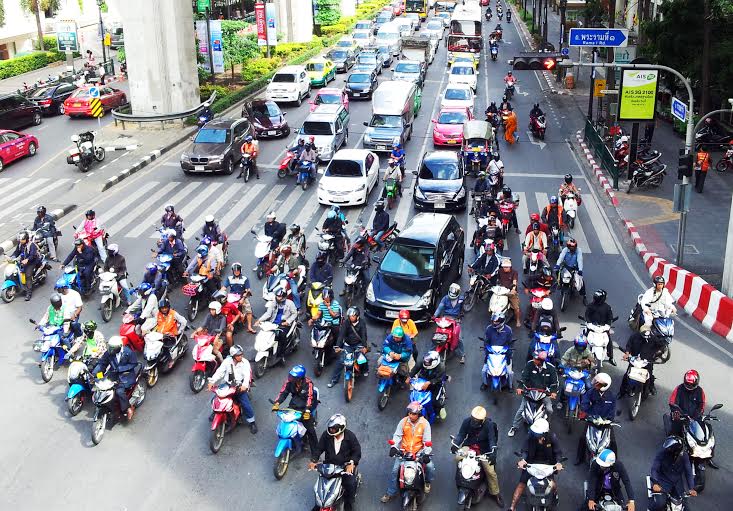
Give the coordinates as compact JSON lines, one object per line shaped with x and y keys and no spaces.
{"x":414,"y":172}
{"x":365,"y":123}
{"x":283,"y":113}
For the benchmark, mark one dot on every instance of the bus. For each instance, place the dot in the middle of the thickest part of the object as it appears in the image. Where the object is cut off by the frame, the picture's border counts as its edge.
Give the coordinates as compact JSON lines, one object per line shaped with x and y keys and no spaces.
{"x":465,"y":30}
{"x":419,"y":6}
{"x":444,"y":6}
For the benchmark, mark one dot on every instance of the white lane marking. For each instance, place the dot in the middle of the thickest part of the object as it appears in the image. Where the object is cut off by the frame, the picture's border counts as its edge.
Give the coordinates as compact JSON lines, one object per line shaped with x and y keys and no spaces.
{"x":522,"y":214}
{"x":136,"y":211}
{"x":527,"y":174}
{"x":604,"y":235}
{"x":236,"y":209}
{"x":151,"y":221}
{"x":264,"y":204}
{"x":20,"y":184}
{"x":288,"y":203}
{"x":28,"y":199}
{"x":193,"y":225}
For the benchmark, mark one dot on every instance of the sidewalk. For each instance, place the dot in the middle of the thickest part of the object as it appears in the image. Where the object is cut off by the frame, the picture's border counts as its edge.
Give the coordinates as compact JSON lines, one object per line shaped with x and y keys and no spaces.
{"x":14,"y":83}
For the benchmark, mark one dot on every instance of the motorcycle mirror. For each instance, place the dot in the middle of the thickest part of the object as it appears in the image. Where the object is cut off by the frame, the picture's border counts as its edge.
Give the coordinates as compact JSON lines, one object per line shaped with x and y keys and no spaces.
{"x":581,"y":317}
{"x":618,"y":413}
{"x":414,"y":172}
{"x":391,"y":442}
{"x":717,"y":407}
{"x":33,"y":321}
{"x":562,"y":329}
{"x":614,"y":319}
{"x":253,"y":232}
{"x":365,"y":123}
{"x":564,"y":458}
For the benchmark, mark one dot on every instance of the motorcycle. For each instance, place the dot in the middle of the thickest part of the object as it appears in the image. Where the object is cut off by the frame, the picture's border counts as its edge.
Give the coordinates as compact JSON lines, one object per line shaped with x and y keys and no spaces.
{"x":598,"y":435}
{"x":644,"y":174}
{"x":606,"y":501}
{"x":161,"y":353}
{"x":570,"y":207}
{"x":195,"y":292}
{"x":534,"y":407}
{"x":15,"y":279}
{"x":204,"y":362}
{"x":569,"y":281}
{"x":497,"y":368}
{"x":108,"y":406}
{"x":72,"y":276}
{"x":226,"y":414}
{"x":494,"y":50}
{"x":246,"y":165}
{"x":663,"y":328}
{"x":538,"y":125}
{"x":726,"y":162}
{"x":390,"y":191}
{"x":353,"y":361}
{"x":535,"y":262}
{"x":52,"y":348}
{"x":598,"y":338}
{"x":327,"y":244}
{"x":86,"y":152}
{"x":267,"y":347}
{"x":322,"y":343}
{"x":203,"y":119}
{"x":266,"y":257}
{"x":412,"y":476}
{"x":276,"y":281}
{"x":386,"y":379}
{"x":547,"y":343}
{"x":509,"y":90}
{"x":288,"y":166}
{"x":129,"y":334}
{"x":354,"y":285}
{"x":470,"y":477}
{"x":506,"y":209}
{"x":478,"y":287}
{"x":290,"y":435}
{"x":445,"y":336}
{"x":387,"y":237}
{"x":504,"y":113}
{"x":541,"y":495}
{"x":306,"y":170}
{"x":535,"y":301}
{"x":80,"y":386}
{"x":110,"y":290}
{"x":499,"y":14}
{"x":329,"y":490}
{"x":479,"y":201}
{"x":573,"y":390}
{"x":674,"y":502}
{"x":638,"y":384}
{"x":425,"y":398}
{"x":711,"y":138}
{"x":554,"y":242}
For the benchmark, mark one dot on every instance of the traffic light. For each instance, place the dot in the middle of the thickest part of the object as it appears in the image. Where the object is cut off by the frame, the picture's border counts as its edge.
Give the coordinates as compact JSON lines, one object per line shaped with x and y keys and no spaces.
{"x":685,"y":165}
{"x":536,"y":61}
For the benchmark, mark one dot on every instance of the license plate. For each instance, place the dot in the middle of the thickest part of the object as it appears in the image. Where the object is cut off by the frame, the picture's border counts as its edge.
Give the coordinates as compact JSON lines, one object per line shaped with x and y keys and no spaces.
{"x":199,"y":167}
{"x":569,"y":387}
{"x":77,"y":104}
{"x":451,"y":141}
{"x":382,"y":147}
{"x":272,"y":133}
{"x":392,"y":314}
{"x":356,"y":94}
{"x":440,"y":205}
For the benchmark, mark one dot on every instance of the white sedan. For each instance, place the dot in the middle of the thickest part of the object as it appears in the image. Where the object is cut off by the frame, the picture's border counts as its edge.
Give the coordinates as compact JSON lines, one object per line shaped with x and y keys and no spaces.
{"x":435,"y":28}
{"x":349,"y":177}
{"x":463,"y":73}
{"x":458,"y":96}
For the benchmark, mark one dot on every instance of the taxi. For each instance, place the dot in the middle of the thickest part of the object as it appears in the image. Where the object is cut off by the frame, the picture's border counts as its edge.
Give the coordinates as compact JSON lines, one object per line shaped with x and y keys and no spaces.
{"x":460,"y":56}
{"x":320,"y":71}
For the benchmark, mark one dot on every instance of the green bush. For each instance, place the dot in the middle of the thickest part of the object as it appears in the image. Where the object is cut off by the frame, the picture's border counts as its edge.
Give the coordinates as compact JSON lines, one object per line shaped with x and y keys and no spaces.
{"x":26,"y":63}
{"x":255,"y":69}
{"x":285,"y":50}
{"x":207,"y":90}
{"x":121,"y":55}
{"x":49,"y":43}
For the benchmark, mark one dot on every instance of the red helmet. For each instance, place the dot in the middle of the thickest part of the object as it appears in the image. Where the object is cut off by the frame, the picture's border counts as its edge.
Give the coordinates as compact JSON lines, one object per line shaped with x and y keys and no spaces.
{"x":692,"y":379}
{"x":404,"y":315}
{"x":534,"y":217}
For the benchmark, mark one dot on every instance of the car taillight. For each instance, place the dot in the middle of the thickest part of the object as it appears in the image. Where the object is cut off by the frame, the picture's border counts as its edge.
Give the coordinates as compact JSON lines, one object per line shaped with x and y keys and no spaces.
{"x":45,"y":102}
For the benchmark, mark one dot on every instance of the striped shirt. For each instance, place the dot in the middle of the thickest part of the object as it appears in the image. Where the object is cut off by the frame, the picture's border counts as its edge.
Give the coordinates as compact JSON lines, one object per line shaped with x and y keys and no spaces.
{"x":326,"y":315}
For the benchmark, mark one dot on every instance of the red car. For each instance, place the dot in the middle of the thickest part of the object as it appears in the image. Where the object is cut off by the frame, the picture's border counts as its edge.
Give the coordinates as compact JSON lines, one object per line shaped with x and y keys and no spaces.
{"x":77,"y":105}
{"x":330,"y":96}
{"x":484,"y":2}
{"x":14,"y":145}
{"x":448,"y":129}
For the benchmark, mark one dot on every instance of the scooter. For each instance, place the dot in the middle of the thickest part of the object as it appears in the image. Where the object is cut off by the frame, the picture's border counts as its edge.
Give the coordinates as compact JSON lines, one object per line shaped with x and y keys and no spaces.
{"x":554,"y":242}
{"x":354,"y":285}
{"x":290,"y":435}
{"x":674,"y":502}
{"x":637,"y":384}
{"x":80,"y":387}
{"x":537,"y":294}
{"x":268,"y":350}
{"x":386,"y":380}
{"x":305,"y":174}
{"x":226,"y":413}
{"x":541,"y":495}
{"x":537,"y":126}
{"x":246,"y":165}
{"x":499,"y":302}
{"x":445,"y":336}
{"x":509,"y":91}
{"x":72,"y":276}
{"x":726,"y":162}
{"x":277,"y":281}
{"x":129,"y":334}
{"x":494,"y":50}
{"x":161,"y":353}
{"x":646,"y":174}
{"x":322,"y":343}
{"x":598,"y":338}
{"x":470,"y":478}
{"x":387,"y":237}
{"x":314,"y":298}
{"x":412,"y":476}
{"x":425,"y":398}
{"x":598,"y":435}
{"x":573,"y":390}
{"x":14,"y":278}
{"x":85,"y":152}
{"x":663,"y":329}
{"x":547,"y":342}
{"x":569,"y":281}
{"x":204,"y":362}
{"x":329,"y":490}
{"x":52,"y":347}
{"x":534,"y":407}
{"x":506,"y":209}
{"x":327,"y":244}
{"x":196,"y":295}
{"x":266,"y":257}
{"x":353,"y":361}
{"x":478,"y":288}
{"x":110,"y":290}
{"x":107,"y":405}
{"x":606,"y":500}
{"x":288,"y":166}
{"x":570,"y":207}
{"x":497,"y":369}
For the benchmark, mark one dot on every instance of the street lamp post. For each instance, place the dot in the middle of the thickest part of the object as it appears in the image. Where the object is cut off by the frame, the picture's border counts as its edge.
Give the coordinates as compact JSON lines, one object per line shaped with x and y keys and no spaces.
{"x":101,"y":30}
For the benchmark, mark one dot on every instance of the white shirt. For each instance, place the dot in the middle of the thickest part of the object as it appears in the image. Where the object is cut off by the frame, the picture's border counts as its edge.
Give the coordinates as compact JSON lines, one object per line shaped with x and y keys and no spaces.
{"x":217,"y":253}
{"x":337,"y":443}
{"x":665,"y":302}
{"x":242,"y":372}
{"x":70,"y":301}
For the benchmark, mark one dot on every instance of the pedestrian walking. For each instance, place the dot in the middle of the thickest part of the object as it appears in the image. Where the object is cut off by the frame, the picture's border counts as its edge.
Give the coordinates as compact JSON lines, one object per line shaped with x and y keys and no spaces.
{"x":649,"y":131}
{"x":702,"y":164}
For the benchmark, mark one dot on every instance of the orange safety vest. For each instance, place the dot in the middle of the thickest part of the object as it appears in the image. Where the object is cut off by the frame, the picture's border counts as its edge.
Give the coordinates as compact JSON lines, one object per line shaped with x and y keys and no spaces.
{"x":205,"y":268}
{"x":559,"y":214}
{"x":529,"y":241}
{"x":703,"y":161}
{"x":412,"y":435}
{"x":167,"y":324}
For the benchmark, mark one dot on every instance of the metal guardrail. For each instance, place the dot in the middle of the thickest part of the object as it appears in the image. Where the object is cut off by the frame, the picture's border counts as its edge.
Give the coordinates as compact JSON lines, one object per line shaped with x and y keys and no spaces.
{"x":601,"y":151}
{"x":122,"y":117}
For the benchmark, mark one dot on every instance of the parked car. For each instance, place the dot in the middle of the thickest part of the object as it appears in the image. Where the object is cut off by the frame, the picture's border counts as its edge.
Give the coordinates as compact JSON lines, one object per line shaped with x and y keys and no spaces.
{"x":464,"y":73}
{"x":440,"y":183}
{"x":448,"y":126}
{"x":17,"y":112}
{"x":330,"y":96}
{"x":15,"y":145}
{"x":349,"y":178}
{"x":289,"y":84}
{"x":79,"y":103}
{"x":342,"y":58}
{"x":266,"y":118}
{"x":216,"y":146}
{"x":361,"y":84}
{"x":51,"y":97}
{"x":329,"y":126}
{"x":458,"y":96}
{"x":416,"y":271}
{"x":320,"y":71}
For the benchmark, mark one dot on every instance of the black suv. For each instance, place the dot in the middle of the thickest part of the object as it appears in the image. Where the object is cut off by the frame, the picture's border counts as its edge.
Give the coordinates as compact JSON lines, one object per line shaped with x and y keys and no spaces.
{"x":216,"y":146}
{"x":417,"y":269}
{"x":51,"y":97}
{"x":17,"y":112}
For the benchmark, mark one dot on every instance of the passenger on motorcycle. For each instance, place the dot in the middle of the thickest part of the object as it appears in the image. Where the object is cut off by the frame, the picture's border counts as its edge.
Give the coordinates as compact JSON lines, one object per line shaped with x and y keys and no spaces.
{"x":329,"y":312}
{"x":116,"y":261}
{"x":498,"y":333}
{"x":432,"y":369}
{"x":598,"y":401}
{"x":671,"y":473}
{"x":571,"y":257}
{"x":409,"y":327}
{"x":123,"y":367}
{"x":553,"y":215}
{"x":296,"y":239}
{"x":334,"y":226}
{"x":578,"y":356}
{"x":605,"y":477}
{"x":393,"y":172}
{"x":534,"y":218}
{"x":177,"y":250}
{"x":47,"y":225}
{"x":238,"y":284}
{"x":546,"y":317}
{"x":451,"y":305}
{"x":215,"y":324}
{"x":171,"y":220}
{"x":321,"y":270}
{"x":535,"y":240}
{"x":359,"y":255}
{"x":168,"y":321}
{"x":92,"y":227}
{"x":569,"y":187}
{"x":657,"y":299}
{"x":488,"y":232}
{"x":85,"y":260}
{"x":380,"y":224}
{"x":302,"y":398}
{"x":482,"y":183}
{"x":250,"y":147}
{"x":398,"y":346}
{"x":537,"y":374}
{"x":541,"y":447}
{"x":57,"y":313}
{"x":310,"y":156}
{"x":282,"y":312}
{"x":231,"y":313}
{"x":480,"y":431}
{"x":599,"y":312}
{"x":289,"y":262}
{"x":205,"y":265}
{"x":91,"y":344}
{"x":496,"y":167}
{"x":399,"y":156}
{"x":690,"y":398}
{"x":146,"y":308}
{"x":274,"y":229}
{"x":237,"y":372}
{"x":29,"y":258}
{"x":509,"y":279}
{"x":352,"y":334}
{"x":410,"y":436}
{"x":486,"y":264}
{"x":645,"y":346}
{"x":211,"y":230}
{"x":342,"y":448}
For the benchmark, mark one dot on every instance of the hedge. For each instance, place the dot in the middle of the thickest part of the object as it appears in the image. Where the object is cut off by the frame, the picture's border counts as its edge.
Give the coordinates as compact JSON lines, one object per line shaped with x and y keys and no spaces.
{"x":19,"y":65}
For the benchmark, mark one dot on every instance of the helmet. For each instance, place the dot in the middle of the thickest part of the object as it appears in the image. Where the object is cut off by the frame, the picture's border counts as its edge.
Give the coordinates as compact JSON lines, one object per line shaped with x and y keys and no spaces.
{"x":61,"y":284}
{"x":56,"y":300}
{"x":414,"y":407}
{"x":220,"y":296}
{"x":336,"y":424}
{"x":165,"y":303}
{"x":568,"y":178}
{"x":489,"y":245}
{"x":309,"y":146}
{"x":431,"y":360}
{"x":606,"y":458}
{"x":331,"y":214}
{"x":546,"y":304}
{"x":404,"y":315}
{"x":248,"y":138}
{"x":534,"y":217}
{"x":237,"y":267}
{"x":539,"y":427}
{"x":41,"y":210}
{"x":509,"y":73}
{"x":359,"y":242}
{"x":78,"y":242}
{"x":270,"y":216}
{"x":481,"y":175}
{"x":114,"y":345}
{"x":604,"y":380}
{"x":353,"y":311}
{"x":297,"y":371}
{"x":23,"y":236}
{"x":506,"y":263}
{"x":453,"y":291}
{"x":691,"y":380}
{"x":497,"y":320}
{"x":113,"y":248}
{"x":280,"y":295}
{"x":235,"y":351}
{"x":599,"y":296}
{"x":152,"y":268}
{"x":301,"y":141}
{"x":202,"y":250}
{"x":312,"y":140}
{"x":553,"y":200}
{"x":506,"y":191}
{"x":286,"y":250}
{"x":171,"y":233}
{"x":321,"y":256}
{"x":379,"y":205}
{"x":673,"y":445}
{"x":215,"y":306}
{"x":478,"y":413}
{"x":659,"y":280}
{"x":398,"y":332}
{"x":571,"y":243}
{"x":169,"y":208}
{"x":209,"y":219}
{"x":90,"y":212}
{"x":397,"y":146}
{"x":295,"y":228}
{"x":645,"y":331}
{"x":144,"y":288}
{"x":580,"y":342}
{"x":327,"y":293}
{"x":89,"y":327}
{"x":541,"y":354}
{"x":535,"y":226}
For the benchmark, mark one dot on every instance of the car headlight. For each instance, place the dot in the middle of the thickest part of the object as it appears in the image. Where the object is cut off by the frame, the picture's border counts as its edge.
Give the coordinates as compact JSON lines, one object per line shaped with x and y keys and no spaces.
{"x":461,"y":193}
{"x":367,"y":138}
{"x":215,"y":158}
{"x":396,"y":140}
{"x":419,"y":194}
{"x":424,"y":300}
{"x":370,"y":293}
{"x":361,"y":188}
{"x":185,"y":157}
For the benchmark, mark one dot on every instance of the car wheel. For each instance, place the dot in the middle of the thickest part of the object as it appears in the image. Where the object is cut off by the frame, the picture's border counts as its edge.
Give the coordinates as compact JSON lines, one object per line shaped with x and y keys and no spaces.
{"x":308,"y":94}
{"x":229,"y":166}
{"x":299,"y":101}
{"x":37,"y":119}
{"x":31,"y":149}
{"x":346,"y":138}
{"x":2,"y":165}
{"x":61,"y":109}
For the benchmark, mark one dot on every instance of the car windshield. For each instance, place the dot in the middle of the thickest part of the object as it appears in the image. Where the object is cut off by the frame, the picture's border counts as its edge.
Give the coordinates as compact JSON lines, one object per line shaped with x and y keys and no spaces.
{"x":360,"y":78}
{"x":383,"y":49}
{"x":462,"y":70}
{"x":328,"y":99}
{"x":268,"y":109}
{"x":343,"y":168}
{"x":284,"y":78}
{"x":452,"y":118}
{"x":338,"y":54}
{"x":409,"y":261}
{"x":81,"y":93}
{"x":368,"y":59}
{"x":386,"y":121}
{"x":388,"y":36}
{"x":407,"y":67}
{"x":361,"y":35}
{"x":211,"y":136}
{"x":40,"y":93}
{"x":317,"y":128}
{"x":457,"y":94}
{"x":315,"y":66}
{"x":439,"y":168}
{"x":435,"y":25}
{"x":344,"y":44}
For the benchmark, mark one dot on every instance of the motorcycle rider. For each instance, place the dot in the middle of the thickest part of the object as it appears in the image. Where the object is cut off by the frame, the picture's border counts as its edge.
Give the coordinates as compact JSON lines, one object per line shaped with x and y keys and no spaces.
{"x":236,"y":371}
{"x":283,"y":313}
{"x":510,"y":79}
{"x":432,"y":369}
{"x":599,"y":312}
{"x":578,"y":356}
{"x":687,"y":399}
{"x":535,"y":240}
{"x":168,"y":321}
{"x":342,"y":448}
{"x":644,"y":345}
{"x":599,"y":401}
{"x":486,"y":233}
{"x":321,"y":270}
{"x":498,"y":333}
{"x":359,"y":255}
{"x":671,"y":473}
{"x":546,"y":316}
{"x":29,"y":258}
{"x":329,"y":313}
{"x":409,"y":327}
{"x":123,"y":368}
{"x":352,"y":334}
{"x":91,"y":344}
{"x":553,"y":215}
{"x":398,"y":346}
{"x":380,"y":224}
{"x":116,"y":261}
{"x":508,"y":278}
{"x":505,"y":105}
{"x":487,"y":264}
{"x":55,"y":315}
{"x":496,"y":167}
{"x":71,"y":305}
{"x":480,"y":431}
{"x":536,"y":111}
{"x":302,"y":398}
{"x":605,"y":477}
{"x":146,"y":308}
{"x":568,"y":187}
{"x":482,"y":184}
{"x":399,"y":156}
{"x":393,"y":172}
{"x":492,"y":114}
{"x":176,"y":249}
{"x":215,"y":324}
{"x":451,"y":306}
{"x":537,"y":374}
{"x":205,"y":265}
{"x":91,"y":226}
{"x":274,"y":229}
{"x":289,"y":263}
{"x":541,"y":447}
{"x":410,"y":436}
{"x":334,"y":226}
{"x":571,"y":256}
{"x":534,"y":218}
{"x":252,"y":148}
{"x":172,"y":220}
{"x":85,"y":260}
{"x":298,"y":148}
{"x":238,"y":284}
{"x":310,"y":156}
{"x":296,"y":239}
{"x":657,"y":299}
{"x":47,"y":225}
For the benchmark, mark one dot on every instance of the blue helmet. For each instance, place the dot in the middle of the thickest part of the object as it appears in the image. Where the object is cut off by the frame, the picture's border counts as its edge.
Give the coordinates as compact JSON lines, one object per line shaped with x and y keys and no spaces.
{"x":331,"y":214}
{"x":298,"y":371}
{"x":248,"y":138}
{"x":553,"y":200}
{"x":397,"y":145}
{"x":152,"y":268}
{"x":61,"y":283}
{"x":580,"y":342}
{"x":606,"y":458}
{"x":144,"y":288}
{"x":202,"y":250}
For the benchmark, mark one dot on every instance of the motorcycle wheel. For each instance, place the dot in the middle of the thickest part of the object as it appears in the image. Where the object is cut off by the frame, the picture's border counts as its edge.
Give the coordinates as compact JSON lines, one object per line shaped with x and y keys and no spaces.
{"x":83,"y":166}
{"x":721,"y":166}
{"x":216,"y":438}
{"x":350,"y":297}
{"x":664,"y":356}
{"x":470,"y":300}
{"x":349,"y":389}
{"x":75,"y":404}
{"x":281,"y":173}
{"x":383,"y":399}
{"x":305,"y":184}
{"x":571,"y":222}
{"x":281,"y":464}
{"x":196,"y":381}
{"x":699,"y":477}
{"x":542,"y":135}
{"x":634,"y":405}
{"x":564,"y":299}
{"x":153,"y":377}
{"x":193,"y":308}
{"x":98,"y":428}
{"x":107,"y":309}
{"x":260,"y":368}
{"x":9,"y":294}
{"x":47,"y":368}
{"x":318,"y":369}
{"x":260,"y":273}
{"x":99,"y":153}
{"x":246,"y":174}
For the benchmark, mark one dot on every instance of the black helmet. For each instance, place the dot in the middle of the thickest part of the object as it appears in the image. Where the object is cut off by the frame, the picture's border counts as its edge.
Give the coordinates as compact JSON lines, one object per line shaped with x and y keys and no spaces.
{"x":327,"y":293}
{"x":295,"y":228}
{"x":165,"y":303}
{"x":301,"y":141}
{"x":599,"y":296}
{"x":506,"y":191}
{"x":237,"y":267}
{"x":308,"y":146}
{"x":321,"y":256}
{"x":56,"y":300}
{"x":379,"y":205}
{"x":169,"y":208}
{"x":673,"y":445}
{"x":90,"y":327}
{"x":41,"y":210}
{"x":659,"y":280}
{"x":568,"y":178}
{"x":23,"y":236}
{"x":90,"y":212}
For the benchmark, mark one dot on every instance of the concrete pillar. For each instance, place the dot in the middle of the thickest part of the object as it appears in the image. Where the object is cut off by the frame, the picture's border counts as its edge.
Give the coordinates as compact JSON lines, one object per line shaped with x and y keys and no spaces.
{"x":161,"y":55}
{"x":348,"y":8}
{"x":727,"y":286}
{"x":295,"y":20}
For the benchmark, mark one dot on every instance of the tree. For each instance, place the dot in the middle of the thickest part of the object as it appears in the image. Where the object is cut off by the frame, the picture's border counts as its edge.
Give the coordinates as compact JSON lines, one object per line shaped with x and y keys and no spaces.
{"x":36,"y":6}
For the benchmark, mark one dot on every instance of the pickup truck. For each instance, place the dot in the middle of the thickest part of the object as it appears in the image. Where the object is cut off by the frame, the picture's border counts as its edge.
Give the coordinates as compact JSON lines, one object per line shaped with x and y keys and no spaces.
{"x":421,"y":48}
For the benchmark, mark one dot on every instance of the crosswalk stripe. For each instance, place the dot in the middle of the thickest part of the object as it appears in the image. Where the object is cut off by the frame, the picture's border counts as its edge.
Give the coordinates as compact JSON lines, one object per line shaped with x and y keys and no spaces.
{"x":193,"y":225}
{"x":153,"y":218}
{"x":125,"y":204}
{"x":264,"y":204}
{"x":601,"y":229}
{"x":288,"y":203}
{"x":28,"y":199}
{"x":522,"y":214}
{"x":307,"y":213}
{"x":137,"y":210}
{"x":233,"y":210}
{"x":21,"y":189}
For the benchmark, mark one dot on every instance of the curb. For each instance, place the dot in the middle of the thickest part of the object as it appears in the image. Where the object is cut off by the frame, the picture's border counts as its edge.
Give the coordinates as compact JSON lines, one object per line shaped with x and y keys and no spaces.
{"x":121,"y":148}
{"x":705,"y":303}
{"x":8,"y":245}
{"x":154,"y":155}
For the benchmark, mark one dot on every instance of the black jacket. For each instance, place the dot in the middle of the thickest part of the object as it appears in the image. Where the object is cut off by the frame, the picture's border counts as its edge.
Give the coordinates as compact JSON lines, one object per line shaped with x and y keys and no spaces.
{"x":299,"y":399}
{"x":353,"y":335}
{"x":28,"y":251}
{"x":547,"y":453}
{"x":435,"y":376}
{"x":485,"y":436}
{"x":381,"y":221}
{"x":358,"y":257}
{"x":276,"y":230}
{"x":333,"y":225}
{"x":39,"y":222}
{"x":599,"y":314}
{"x":542,"y":377}
{"x":124,"y":371}
{"x":117,"y":262}
{"x":350,"y":449}
{"x":596,"y":474}
{"x":84,"y":259}
{"x":639,"y":347}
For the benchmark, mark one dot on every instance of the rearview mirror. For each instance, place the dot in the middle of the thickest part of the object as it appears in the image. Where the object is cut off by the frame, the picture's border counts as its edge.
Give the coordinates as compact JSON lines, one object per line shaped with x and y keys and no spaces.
{"x":717,"y":407}
{"x":414,"y":172}
{"x":365,"y":123}
{"x":253,"y":232}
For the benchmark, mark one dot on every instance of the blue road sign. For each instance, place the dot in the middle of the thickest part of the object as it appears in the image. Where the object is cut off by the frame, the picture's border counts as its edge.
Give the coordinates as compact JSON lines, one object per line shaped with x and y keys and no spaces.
{"x":94,"y":92}
{"x":565,"y":51}
{"x":679,"y":109}
{"x":599,"y":37}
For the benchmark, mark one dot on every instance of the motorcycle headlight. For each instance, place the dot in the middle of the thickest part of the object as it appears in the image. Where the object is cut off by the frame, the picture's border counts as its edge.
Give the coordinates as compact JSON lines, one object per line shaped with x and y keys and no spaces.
{"x":396,"y":140}
{"x":10,"y":271}
{"x":461,"y":194}
{"x":370,"y":293}
{"x":424,"y":300}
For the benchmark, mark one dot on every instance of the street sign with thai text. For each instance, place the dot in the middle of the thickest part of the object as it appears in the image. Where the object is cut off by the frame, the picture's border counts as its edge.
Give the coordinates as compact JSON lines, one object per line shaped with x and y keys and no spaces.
{"x":599,"y":37}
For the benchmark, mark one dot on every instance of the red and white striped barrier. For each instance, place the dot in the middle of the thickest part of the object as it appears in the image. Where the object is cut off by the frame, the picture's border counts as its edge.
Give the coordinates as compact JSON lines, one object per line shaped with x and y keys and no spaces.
{"x":597,"y":170}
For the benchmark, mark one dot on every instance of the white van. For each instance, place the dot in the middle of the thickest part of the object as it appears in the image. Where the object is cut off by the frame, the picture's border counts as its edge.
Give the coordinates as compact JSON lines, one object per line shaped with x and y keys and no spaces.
{"x":290,"y":84}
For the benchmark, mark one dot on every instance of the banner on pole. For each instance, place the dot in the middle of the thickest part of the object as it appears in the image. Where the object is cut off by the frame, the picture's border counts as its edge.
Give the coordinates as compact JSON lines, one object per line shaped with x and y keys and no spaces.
{"x":260,"y":21}
{"x":638,"y":94}
{"x":217,"y":45}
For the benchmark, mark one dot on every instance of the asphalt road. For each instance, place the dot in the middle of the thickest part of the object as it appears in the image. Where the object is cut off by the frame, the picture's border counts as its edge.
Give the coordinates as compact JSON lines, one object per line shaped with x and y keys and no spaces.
{"x":162,"y":461}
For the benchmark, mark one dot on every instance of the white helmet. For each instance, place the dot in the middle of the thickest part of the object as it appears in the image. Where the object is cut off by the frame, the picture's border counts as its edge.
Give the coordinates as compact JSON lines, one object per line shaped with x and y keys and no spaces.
{"x":453,"y":291}
{"x":546,"y":304}
{"x":540,"y":427}
{"x":604,"y":380}
{"x":271,"y":216}
{"x":209,"y":219}
{"x":216,"y":306}
{"x":336,"y":424}
{"x":114,"y":344}
{"x":506,"y":263}
{"x":431,"y":360}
